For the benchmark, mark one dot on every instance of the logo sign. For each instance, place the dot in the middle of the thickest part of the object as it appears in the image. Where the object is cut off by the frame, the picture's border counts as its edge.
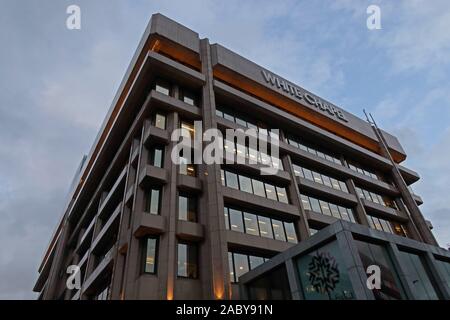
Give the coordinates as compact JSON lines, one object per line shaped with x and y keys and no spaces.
{"x":323,"y":273}
{"x":301,"y":94}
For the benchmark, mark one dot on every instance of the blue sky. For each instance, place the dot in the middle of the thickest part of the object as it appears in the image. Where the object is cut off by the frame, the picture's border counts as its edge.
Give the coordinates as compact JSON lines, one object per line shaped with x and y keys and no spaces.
{"x":56,"y":86}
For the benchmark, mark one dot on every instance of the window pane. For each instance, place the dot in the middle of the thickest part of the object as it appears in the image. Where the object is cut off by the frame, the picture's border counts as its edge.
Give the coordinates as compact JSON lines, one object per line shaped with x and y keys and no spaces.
{"x":317,"y":177}
{"x":187,"y":260}
{"x":264,"y":227}
{"x":160,"y":121}
{"x":227,"y":219}
{"x":182,"y":208}
{"x":189,"y":98}
{"x":245,"y":184}
{"x":325,"y":208}
{"x":326,"y":181}
{"x":290,"y":232}
{"x":320,"y":154}
{"x":335,"y":183}
{"x":162,"y":87}
{"x":258,"y":188}
{"x":315,"y":206}
{"x":241,"y":122}
{"x":240,"y":264}
{"x":335,"y":211}
{"x":231,"y":266}
{"x":278,"y":230}
{"x":150,"y":256}
{"x":232,"y":180}
{"x":282,"y":196}
{"x":236,"y":220}
{"x":270,"y":191}
{"x":298,"y":171}
{"x":343,"y":186}
{"x":255,"y":261}
{"x":251,"y":224}
{"x":305,"y":202}
{"x":308,"y":174}
{"x":228,"y":116}
{"x":222,"y":176}
{"x":153,"y":201}
{"x":219,"y":113}
{"x":156,"y":157}
{"x":344,"y":214}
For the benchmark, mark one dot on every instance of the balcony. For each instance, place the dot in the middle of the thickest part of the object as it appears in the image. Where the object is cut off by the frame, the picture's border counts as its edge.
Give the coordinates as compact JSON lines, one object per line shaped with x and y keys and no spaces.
{"x":383,"y":211}
{"x":150,"y":175}
{"x":149,"y":224}
{"x":190,"y":231}
{"x":84,"y":243}
{"x":319,"y":220}
{"x":100,"y":273}
{"x":113,"y":196}
{"x":155,"y":135}
{"x":242,"y":240}
{"x":189,"y":183}
{"x":326,"y":193}
{"x":108,"y":232}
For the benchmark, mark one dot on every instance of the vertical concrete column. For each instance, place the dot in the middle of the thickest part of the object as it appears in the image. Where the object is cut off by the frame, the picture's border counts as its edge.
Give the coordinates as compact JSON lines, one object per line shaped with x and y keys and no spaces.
{"x":359,"y":210}
{"x":216,"y":281}
{"x":302,"y":225}
{"x":294,"y":280}
{"x":168,"y":241}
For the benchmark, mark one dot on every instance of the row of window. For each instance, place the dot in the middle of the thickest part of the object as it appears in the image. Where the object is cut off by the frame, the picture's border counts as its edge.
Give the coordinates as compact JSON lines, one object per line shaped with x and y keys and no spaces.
{"x":365,"y":172}
{"x":316,"y":152}
{"x":187,"y":258}
{"x":254,"y":186}
{"x":252,"y":154}
{"x":257,"y":225}
{"x":387,"y":226}
{"x":186,"y":96}
{"x":320,"y":178}
{"x":374,"y":197}
{"x":327,"y":208}
{"x":245,"y":123}
{"x":242,"y":263}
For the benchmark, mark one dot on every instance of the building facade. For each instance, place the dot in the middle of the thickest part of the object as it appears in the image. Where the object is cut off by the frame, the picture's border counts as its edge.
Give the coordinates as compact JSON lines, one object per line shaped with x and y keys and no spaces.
{"x":139,"y":226}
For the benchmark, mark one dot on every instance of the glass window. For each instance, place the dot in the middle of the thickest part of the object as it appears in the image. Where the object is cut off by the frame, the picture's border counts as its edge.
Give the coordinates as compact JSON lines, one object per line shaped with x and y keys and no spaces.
{"x":298,"y":170}
{"x":325,"y":208}
{"x":325,"y":283}
{"x":278,"y":230}
{"x":290,"y":232}
{"x":251,"y":224}
{"x":308,"y":174}
{"x":222,"y":176}
{"x":231,"y":266}
{"x":228,"y":116}
{"x":189,"y":98}
{"x":326,"y":181}
{"x":245,"y":184}
{"x":187,"y":208}
{"x":232,"y":180}
{"x":270,"y":191}
{"x":305,"y":202}
{"x":189,"y":127}
{"x":258,"y":188}
{"x":315,"y":206}
{"x":265,"y":227}
{"x":153,"y":200}
{"x":343,"y":186}
{"x":372,"y":254}
{"x":321,"y":154}
{"x":219,"y":113}
{"x":240,"y":264}
{"x":156,"y":157}
{"x":241,"y":122}
{"x":282,"y":196}
{"x":162,"y":87}
{"x":255,"y":261}
{"x":335,"y":183}
{"x":160,"y":121}
{"x":293,"y":143}
{"x":418,"y":276}
{"x":375,"y":198}
{"x":335,"y":211}
{"x":227,"y":218}
{"x":317,"y":177}
{"x":236,"y":220}
{"x":187,"y":260}
{"x":150,"y":255}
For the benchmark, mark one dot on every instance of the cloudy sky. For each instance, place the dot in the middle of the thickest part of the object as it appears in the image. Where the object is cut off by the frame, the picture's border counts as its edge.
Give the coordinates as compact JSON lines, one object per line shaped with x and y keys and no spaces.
{"x":56,"y":86}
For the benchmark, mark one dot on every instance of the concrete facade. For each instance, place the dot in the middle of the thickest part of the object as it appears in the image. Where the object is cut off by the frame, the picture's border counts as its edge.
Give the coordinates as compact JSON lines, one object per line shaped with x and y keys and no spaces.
{"x":106,"y":223}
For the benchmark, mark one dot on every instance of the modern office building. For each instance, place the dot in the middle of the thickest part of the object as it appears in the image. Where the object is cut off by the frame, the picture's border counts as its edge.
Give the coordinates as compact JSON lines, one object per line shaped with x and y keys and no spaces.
{"x":139,"y":226}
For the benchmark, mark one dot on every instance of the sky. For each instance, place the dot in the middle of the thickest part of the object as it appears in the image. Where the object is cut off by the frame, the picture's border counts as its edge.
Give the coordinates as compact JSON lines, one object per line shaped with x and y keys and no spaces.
{"x":56,"y":86}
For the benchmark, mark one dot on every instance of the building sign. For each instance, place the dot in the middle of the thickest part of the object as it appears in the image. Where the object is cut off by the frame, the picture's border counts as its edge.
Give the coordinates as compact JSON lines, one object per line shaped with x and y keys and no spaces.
{"x":301,"y":94}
